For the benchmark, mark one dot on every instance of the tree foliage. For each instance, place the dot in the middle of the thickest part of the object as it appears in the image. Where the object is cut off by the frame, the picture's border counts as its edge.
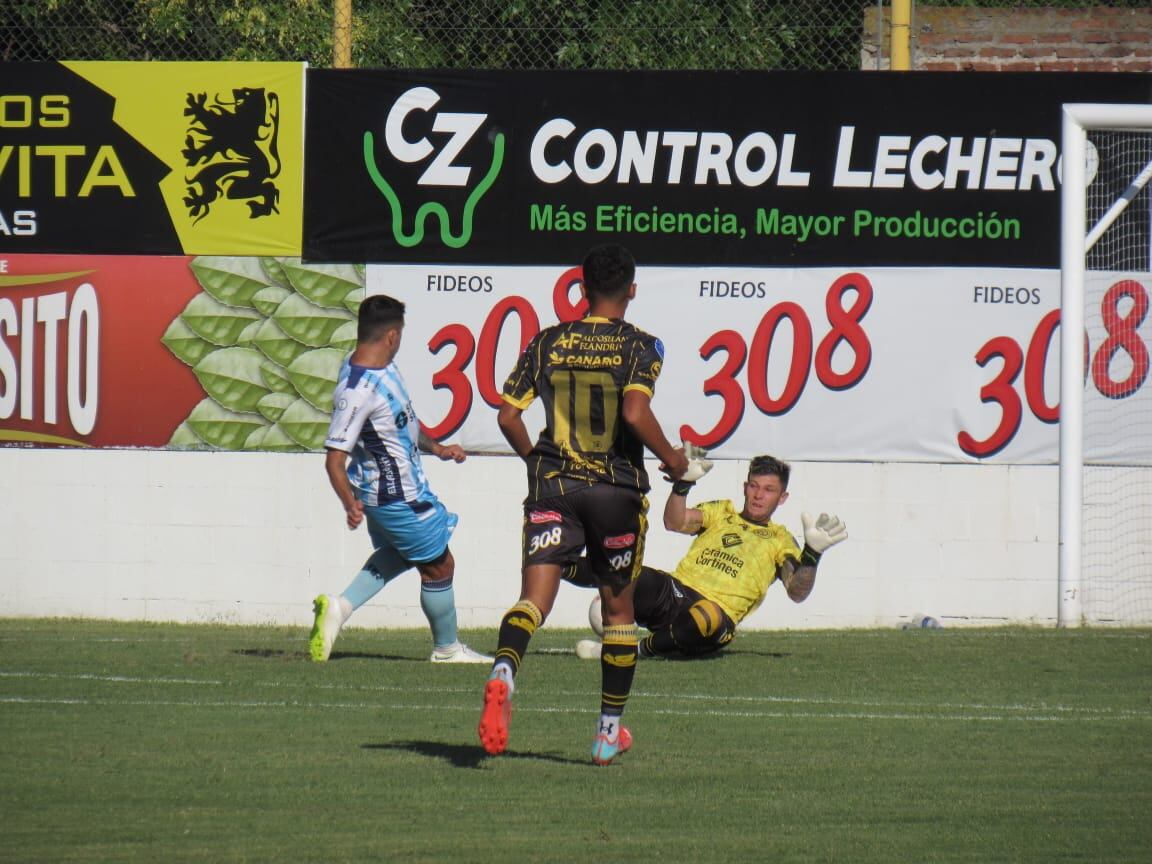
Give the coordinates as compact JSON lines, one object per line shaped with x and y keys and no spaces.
{"x":492,"y":34}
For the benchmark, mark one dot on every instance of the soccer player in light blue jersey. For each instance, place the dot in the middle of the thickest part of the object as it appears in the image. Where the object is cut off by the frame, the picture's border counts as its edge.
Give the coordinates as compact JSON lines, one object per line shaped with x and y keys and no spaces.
{"x":373,"y":463}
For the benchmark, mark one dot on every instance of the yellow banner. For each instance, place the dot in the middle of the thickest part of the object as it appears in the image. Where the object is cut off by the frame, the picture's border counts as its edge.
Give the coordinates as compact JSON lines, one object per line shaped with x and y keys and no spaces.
{"x":231,"y":135}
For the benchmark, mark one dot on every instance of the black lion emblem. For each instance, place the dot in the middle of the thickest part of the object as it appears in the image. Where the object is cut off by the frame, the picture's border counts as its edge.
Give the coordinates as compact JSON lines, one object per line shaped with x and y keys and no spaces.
{"x":235,"y":141}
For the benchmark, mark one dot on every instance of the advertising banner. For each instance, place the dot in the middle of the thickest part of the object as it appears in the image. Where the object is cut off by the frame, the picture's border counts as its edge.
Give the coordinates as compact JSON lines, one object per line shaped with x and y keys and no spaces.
{"x":184,"y":353}
{"x":81,"y":357}
{"x":700,"y":169}
{"x":827,"y":364}
{"x":870,"y":363}
{"x":151,"y":158}
{"x":840,"y":266}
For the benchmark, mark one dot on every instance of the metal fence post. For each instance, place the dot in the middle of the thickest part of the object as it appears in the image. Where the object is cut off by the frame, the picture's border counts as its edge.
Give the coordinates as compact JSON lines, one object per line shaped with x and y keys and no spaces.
{"x":342,"y":34}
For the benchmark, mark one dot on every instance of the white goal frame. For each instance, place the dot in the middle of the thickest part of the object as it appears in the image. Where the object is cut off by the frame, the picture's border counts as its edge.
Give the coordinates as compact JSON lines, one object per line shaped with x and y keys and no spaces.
{"x":1076,"y":240}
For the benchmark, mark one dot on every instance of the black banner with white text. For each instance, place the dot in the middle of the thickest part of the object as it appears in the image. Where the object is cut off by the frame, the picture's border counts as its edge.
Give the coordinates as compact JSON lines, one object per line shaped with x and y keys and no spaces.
{"x":691,"y":168}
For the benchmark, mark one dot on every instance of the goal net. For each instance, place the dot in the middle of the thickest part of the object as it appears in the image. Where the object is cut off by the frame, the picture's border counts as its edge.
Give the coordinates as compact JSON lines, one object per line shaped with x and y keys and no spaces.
{"x":1106,"y":394}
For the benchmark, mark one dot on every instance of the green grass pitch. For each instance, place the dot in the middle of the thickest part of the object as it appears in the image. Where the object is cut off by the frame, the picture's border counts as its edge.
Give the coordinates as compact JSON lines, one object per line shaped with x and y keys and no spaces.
{"x":125,"y":742}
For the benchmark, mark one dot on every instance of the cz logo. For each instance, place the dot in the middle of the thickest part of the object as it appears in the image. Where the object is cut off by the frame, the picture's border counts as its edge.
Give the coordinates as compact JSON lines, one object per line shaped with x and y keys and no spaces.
{"x":442,"y":171}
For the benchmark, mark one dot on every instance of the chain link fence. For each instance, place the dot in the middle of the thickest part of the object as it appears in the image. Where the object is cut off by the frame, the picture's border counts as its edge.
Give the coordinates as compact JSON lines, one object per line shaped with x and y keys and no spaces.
{"x":490,"y":34}
{"x":493,"y":34}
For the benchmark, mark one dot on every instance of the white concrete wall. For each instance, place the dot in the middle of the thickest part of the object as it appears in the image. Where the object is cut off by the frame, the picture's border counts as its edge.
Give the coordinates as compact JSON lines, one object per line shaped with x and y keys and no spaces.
{"x":252,"y":537}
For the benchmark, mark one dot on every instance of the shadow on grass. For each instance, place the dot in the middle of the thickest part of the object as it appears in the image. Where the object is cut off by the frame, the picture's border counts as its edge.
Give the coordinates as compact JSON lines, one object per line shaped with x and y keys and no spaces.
{"x":467,"y":755}
{"x":777,"y":655}
{"x":717,"y":656}
{"x":281,"y":654}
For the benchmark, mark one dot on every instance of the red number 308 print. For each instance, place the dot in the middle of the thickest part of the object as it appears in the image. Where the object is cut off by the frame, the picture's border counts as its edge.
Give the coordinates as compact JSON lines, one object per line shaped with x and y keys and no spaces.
{"x":1121,"y":337}
{"x":846,"y":331}
{"x":846,"y":303}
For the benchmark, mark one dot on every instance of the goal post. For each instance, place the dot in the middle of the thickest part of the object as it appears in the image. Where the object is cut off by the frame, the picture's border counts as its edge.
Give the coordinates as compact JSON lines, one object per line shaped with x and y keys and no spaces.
{"x":1118,"y":206}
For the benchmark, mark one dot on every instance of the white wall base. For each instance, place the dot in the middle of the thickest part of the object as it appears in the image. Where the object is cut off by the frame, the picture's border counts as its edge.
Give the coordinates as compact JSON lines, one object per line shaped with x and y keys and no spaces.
{"x":251,"y":538}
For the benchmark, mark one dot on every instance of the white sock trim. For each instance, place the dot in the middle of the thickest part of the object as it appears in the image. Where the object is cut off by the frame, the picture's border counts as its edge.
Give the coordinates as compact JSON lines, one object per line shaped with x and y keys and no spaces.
{"x":502,"y":669}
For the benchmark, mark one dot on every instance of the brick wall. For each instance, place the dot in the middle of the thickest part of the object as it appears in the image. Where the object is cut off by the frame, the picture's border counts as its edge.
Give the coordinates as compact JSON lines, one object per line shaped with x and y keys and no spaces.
{"x":1017,"y":40}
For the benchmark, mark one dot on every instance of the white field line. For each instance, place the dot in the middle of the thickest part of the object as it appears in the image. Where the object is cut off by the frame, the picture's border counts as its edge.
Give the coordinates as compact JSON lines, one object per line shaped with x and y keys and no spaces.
{"x":721,"y":705}
{"x":19,"y":634}
{"x":471,"y":709}
{"x":110,"y":679}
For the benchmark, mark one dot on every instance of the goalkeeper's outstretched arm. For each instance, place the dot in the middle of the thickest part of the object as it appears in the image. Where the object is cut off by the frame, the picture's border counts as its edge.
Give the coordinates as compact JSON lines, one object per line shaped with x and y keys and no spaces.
{"x":821,"y":533}
{"x":799,"y":579}
{"x":678,"y":516}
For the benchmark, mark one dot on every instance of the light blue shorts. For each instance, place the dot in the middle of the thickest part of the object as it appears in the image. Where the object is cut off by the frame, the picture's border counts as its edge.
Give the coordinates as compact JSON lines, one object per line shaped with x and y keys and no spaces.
{"x":415,"y":532}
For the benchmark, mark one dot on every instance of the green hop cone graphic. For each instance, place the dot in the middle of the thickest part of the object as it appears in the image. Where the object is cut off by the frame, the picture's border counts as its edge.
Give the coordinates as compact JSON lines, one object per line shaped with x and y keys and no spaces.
{"x":268,"y":298}
{"x":277,"y":345}
{"x":182,"y":341}
{"x":304,"y":424}
{"x":308,"y":323}
{"x":273,"y":405}
{"x":215,"y":322}
{"x":220,"y":428}
{"x":232,"y":281}
{"x":231,"y":376}
{"x":327,"y":287}
{"x":265,"y":339}
{"x":274,"y":439}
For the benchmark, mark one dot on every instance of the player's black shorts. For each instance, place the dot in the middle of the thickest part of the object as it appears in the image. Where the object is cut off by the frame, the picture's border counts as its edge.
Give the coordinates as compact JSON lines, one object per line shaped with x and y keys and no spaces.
{"x":607,"y":523}
{"x":660,"y":598}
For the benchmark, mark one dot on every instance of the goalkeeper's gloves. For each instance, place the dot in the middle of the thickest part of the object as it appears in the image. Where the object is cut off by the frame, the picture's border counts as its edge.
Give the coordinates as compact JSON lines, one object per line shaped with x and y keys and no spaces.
{"x":820,"y":534}
{"x":698,"y":466}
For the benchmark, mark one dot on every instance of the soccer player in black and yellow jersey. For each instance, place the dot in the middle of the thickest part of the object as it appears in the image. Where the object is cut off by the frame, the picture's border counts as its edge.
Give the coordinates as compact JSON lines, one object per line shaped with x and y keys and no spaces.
{"x":727,"y":570}
{"x":586,"y":484}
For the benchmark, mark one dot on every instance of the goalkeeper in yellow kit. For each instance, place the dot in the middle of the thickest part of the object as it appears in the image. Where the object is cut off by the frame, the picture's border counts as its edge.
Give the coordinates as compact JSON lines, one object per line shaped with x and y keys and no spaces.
{"x":727,"y":570}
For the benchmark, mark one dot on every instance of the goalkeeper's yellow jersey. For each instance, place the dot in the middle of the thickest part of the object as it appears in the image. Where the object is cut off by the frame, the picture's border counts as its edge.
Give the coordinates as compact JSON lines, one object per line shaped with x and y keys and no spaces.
{"x":733,"y":561}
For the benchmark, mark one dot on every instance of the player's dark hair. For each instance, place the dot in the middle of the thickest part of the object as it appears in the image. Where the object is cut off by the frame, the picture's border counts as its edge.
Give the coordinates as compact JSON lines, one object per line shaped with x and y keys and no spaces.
{"x":377,"y":314}
{"x":770,"y":465}
{"x":609,"y":270}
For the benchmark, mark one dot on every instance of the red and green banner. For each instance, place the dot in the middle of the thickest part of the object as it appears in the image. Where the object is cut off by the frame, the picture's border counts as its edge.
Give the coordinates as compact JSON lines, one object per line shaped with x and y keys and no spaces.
{"x":184,"y":353}
{"x":81,"y":357}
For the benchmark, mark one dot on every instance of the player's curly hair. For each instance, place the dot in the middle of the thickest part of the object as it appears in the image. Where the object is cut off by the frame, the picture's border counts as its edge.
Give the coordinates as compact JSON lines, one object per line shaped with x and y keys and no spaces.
{"x":377,"y":314}
{"x":770,"y":465}
{"x":609,"y":270}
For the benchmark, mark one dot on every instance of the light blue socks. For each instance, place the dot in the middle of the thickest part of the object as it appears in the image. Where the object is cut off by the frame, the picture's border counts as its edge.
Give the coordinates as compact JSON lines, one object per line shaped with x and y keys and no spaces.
{"x":378,"y":571}
{"x":438,"y":601}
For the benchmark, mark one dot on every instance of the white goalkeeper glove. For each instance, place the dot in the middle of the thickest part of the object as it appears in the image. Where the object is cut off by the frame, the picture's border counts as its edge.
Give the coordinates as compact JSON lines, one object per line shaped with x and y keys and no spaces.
{"x":698,"y":466}
{"x":822,"y":532}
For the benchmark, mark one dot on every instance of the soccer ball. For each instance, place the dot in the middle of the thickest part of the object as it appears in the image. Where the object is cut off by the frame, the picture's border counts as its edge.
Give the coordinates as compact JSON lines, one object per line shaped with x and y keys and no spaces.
{"x":596,"y":616}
